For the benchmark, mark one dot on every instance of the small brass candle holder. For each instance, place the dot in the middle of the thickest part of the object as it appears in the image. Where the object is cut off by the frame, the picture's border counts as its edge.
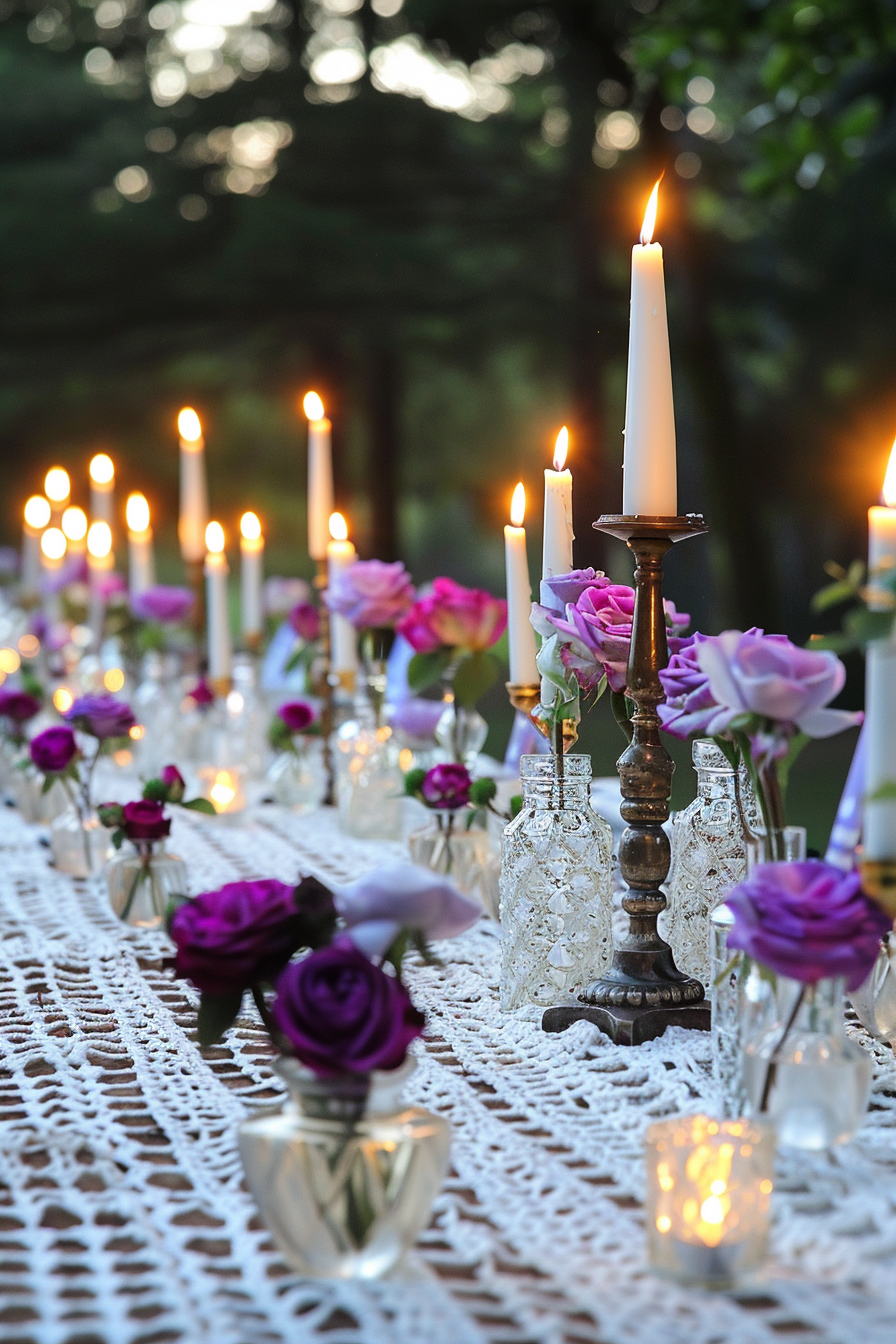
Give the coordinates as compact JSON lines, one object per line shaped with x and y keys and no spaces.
{"x":253,"y":642}
{"x":526,"y":697}
{"x":222,"y":686}
{"x":879,"y":882}
{"x":643,"y":992}
{"x":324,"y":688}
{"x":196,"y":580}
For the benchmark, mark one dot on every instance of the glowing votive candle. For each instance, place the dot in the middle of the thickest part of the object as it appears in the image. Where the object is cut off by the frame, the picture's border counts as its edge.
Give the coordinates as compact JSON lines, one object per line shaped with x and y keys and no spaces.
{"x":74,"y":525}
{"x":224,"y":787}
{"x":102,"y":489}
{"x":58,"y":490}
{"x":37,"y":517}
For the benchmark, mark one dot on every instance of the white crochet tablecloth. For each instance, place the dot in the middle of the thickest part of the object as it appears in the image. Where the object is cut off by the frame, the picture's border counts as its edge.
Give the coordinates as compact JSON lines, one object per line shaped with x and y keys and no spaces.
{"x":123,"y":1219}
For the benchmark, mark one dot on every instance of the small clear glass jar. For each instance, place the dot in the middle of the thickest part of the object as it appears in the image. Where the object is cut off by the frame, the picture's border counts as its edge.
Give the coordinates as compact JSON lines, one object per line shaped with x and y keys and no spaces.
{"x":369,"y":780}
{"x":79,"y":842}
{"x":461,"y":733}
{"x":446,"y":846}
{"x":141,"y":878}
{"x":805,"y":1075}
{"x":344,"y":1178}
{"x":555,"y":887}
{"x":36,"y":807}
{"x":296,"y":777}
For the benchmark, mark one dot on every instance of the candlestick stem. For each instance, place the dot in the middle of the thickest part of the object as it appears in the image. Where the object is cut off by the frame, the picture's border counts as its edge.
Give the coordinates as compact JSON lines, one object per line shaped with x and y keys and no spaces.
{"x":196,"y":579}
{"x":324,"y":688}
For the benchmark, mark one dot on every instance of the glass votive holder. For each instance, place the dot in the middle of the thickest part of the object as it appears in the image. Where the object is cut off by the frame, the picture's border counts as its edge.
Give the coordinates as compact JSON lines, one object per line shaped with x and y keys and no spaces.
{"x":709,"y":1185}
{"x":224,"y":787}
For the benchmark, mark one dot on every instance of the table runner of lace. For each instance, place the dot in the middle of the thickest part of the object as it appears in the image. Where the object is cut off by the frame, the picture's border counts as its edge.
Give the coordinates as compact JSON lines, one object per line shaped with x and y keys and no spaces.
{"x":123,"y":1218}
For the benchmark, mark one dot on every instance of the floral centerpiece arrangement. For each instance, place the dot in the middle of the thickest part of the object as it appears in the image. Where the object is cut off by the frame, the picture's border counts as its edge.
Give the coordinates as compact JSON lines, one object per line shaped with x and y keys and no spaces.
{"x":344,"y":1176}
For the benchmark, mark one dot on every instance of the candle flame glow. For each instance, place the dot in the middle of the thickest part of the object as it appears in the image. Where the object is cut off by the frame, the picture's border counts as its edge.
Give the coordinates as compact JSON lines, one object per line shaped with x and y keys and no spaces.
{"x":561,"y":448}
{"x":338,"y":527}
{"x":37,"y":512}
{"x":102,"y":469}
{"x":137,"y":512}
{"x":518,"y":506}
{"x":189,"y":426}
{"x":53,"y":543}
{"x":889,"y":491}
{"x":57,"y":486}
{"x":313,"y":406}
{"x":74,"y":523}
{"x":223,"y":791}
{"x":214,"y":538}
{"x":99,"y":540}
{"x":250,"y":527}
{"x":649,"y":224}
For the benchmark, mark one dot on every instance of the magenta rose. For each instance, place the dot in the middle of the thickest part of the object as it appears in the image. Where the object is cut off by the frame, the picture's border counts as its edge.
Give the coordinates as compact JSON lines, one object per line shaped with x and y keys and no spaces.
{"x":18,"y":706}
{"x":807,"y":920}
{"x":102,"y":716}
{"x":174,"y":782}
{"x":145,"y":820}
{"x":454,"y":617}
{"x":202,"y":694}
{"x":371,"y":594}
{"x":162,"y":603}
{"x":233,"y":937}
{"x":342,"y":1014}
{"x":297,"y":716}
{"x":53,"y":750}
{"x":305,"y":620}
{"x":446,"y":786}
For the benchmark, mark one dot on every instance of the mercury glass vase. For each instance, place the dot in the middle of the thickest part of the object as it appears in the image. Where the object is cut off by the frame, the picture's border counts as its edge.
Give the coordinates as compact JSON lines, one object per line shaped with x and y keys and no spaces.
{"x":79,"y":842}
{"x":369,"y":781}
{"x":805,"y":1075}
{"x":709,"y":855}
{"x":446,"y":846}
{"x":344,"y":1178}
{"x":142,"y":877}
{"x":555,"y":888}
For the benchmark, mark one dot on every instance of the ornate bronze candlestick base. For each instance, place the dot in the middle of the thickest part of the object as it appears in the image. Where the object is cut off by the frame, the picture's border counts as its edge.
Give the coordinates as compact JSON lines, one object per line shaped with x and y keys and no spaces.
{"x":643,"y":991}
{"x":324,"y":688}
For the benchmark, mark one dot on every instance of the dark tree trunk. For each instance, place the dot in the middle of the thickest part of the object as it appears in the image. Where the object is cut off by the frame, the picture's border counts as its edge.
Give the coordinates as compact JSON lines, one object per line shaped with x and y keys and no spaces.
{"x":383,"y":457}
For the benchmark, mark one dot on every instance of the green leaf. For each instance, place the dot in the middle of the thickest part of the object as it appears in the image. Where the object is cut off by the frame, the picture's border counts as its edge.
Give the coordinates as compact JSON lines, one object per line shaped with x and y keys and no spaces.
{"x":834,"y":593}
{"x":424,"y":669}
{"x":476,"y":675}
{"x":729,"y":750}
{"x":883,"y":793}
{"x":516,"y":805}
{"x":621,"y":714}
{"x":217,"y":1014}
{"x":200,"y":805}
{"x":797,"y":742}
{"x":117,"y":838}
{"x":413,"y":781}
{"x":867,"y":625}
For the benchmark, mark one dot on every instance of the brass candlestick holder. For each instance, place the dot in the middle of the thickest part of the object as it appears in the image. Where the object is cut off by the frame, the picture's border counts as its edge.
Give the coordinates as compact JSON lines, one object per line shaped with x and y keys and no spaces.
{"x":879,"y":881}
{"x":526,"y":697}
{"x":324,"y":688}
{"x":643,"y":992}
{"x":196,"y":580}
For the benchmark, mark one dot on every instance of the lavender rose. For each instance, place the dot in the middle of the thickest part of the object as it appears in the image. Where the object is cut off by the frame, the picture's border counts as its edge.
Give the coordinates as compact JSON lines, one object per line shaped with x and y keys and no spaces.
{"x":371,"y":594}
{"x":416,"y":719}
{"x":145,"y":820}
{"x":18,"y":706}
{"x":305,"y":620}
{"x":297,"y":716}
{"x":690,"y":705}
{"x":342,"y":1014}
{"x":403,"y":896}
{"x":452,"y":616}
{"x":807,"y":920}
{"x":229,"y":939}
{"x":558,"y":592}
{"x":446,"y":786}
{"x":53,"y":750}
{"x":162,"y":603}
{"x":102,"y":716}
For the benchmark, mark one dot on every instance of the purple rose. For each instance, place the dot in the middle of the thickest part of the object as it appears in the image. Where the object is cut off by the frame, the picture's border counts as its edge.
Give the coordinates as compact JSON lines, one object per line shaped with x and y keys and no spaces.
{"x":454,"y":617}
{"x":18,"y":706}
{"x":163,"y":604}
{"x":102,"y":716}
{"x":53,"y":750}
{"x":202,"y":694}
{"x":244,"y":932}
{"x":403,"y":896}
{"x":342,"y":1014}
{"x":305,"y":620}
{"x":280,"y":595}
{"x":558,"y":592}
{"x":371,"y":594}
{"x":415,"y":718}
{"x":297,"y":716}
{"x":174,"y":782}
{"x":689,"y":706}
{"x":807,"y":920}
{"x":111,"y":584}
{"x":145,"y":820}
{"x":447,"y":786}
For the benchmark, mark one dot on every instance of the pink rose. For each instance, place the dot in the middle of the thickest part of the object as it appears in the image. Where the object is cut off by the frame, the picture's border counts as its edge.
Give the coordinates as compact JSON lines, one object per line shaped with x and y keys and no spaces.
{"x":456,"y":617}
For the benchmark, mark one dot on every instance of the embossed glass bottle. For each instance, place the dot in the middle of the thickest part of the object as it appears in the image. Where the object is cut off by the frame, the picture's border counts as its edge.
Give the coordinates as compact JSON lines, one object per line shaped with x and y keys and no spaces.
{"x":370,"y":785}
{"x":556,"y":903}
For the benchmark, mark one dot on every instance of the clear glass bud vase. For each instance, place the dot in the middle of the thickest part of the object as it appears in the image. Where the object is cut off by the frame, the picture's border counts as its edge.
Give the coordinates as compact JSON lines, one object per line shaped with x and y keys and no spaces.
{"x":35,"y":806}
{"x":460,"y":732}
{"x":344,"y":1178}
{"x":142,"y":877}
{"x":556,"y":900}
{"x":370,"y":785}
{"x":709,"y":855}
{"x":296,"y":778}
{"x":446,"y":846}
{"x":804,"y":1073}
{"x":79,"y":842}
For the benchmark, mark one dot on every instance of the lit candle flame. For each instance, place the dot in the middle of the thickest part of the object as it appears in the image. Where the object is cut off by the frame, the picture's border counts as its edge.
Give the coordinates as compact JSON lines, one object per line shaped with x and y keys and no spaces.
{"x":57,"y":486}
{"x":313,"y":406}
{"x":338,"y":527}
{"x":137,"y":512}
{"x":214,"y":538}
{"x":222,"y":792}
{"x":561,"y":448}
{"x":649,"y":224}
{"x":518,"y":506}
{"x":889,"y":491}
{"x":189,"y":425}
{"x":99,"y":540}
{"x":74,"y":523}
{"x":37,"y":512}
{"x":250,"y":526}
{"x":53,"y":543}
{"x":102,"y":469}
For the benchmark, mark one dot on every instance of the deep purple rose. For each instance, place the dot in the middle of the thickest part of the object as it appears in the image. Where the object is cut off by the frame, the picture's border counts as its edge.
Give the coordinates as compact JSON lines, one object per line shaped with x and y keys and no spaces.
{"x":230,"y":938}
{"x":102,"y":716}
{"x":399,"y":896}
{"x":807,"y":920}
{"x":305,"y":620}
{"x":416,"y":718}
{"x":447,"y":786}
{"x":53,"y":750}
{"x":145,"y":820}
{"x":163,"y":604}
{"x":454,"y":617}
{"x":174,"y":782}
{"x":18,"y":706}
{"x":297,"y":716}
{"x":342,"y":1014}
{"x":371,"y":594}
{"x":202,"y":694}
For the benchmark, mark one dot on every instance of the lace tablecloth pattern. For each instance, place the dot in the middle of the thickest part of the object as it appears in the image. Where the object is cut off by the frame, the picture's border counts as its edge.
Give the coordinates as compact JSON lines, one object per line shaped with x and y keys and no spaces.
{"x":123,"y":1217}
